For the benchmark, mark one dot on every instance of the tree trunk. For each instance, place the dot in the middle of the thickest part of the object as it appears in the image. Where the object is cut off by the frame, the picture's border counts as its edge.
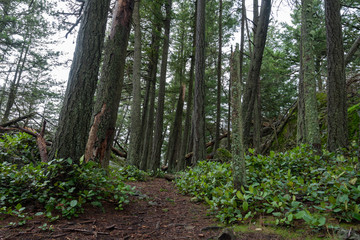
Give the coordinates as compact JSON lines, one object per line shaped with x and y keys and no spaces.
{"x":135,"y":135}
{"x":238,"y":161}
{"x":154,"y":163}
{"x":150,"y":88}
{"x":218,"y":105}
{"x":101,"y":136}
{"x":199,"y":97}
{"x":175,"y":136}
{"x":2,"y":96}
{"x":254,"y":71}
{"x":15,"y":83}
{"x":336,"y":82}
{"x":186,"y":139}
{"x":307,"y":69}
{"x":75,"y":116}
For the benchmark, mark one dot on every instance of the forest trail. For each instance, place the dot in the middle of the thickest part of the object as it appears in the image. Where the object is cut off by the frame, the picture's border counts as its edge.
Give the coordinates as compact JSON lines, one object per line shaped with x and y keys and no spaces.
{"x":156,"y":211}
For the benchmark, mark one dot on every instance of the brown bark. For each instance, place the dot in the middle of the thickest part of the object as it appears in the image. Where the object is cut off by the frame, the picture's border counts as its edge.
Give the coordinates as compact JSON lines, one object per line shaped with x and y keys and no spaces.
{"x":78,"y":102}
{"x":336,"y":82}
{"x":9,"y":123}
{"x":199,"y":96}
{"x":101,"y":136}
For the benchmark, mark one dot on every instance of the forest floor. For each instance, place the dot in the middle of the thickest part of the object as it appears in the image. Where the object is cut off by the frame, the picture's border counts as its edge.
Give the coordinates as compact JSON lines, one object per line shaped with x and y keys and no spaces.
{"x":156,"y":211}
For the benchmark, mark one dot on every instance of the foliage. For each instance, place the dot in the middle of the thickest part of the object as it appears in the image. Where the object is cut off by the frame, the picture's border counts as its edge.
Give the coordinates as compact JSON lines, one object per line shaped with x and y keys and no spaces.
{"x":294,"y":185}
{"x":18,"y":148}
{"x":59,"y":186}
{"x":131,"y":173}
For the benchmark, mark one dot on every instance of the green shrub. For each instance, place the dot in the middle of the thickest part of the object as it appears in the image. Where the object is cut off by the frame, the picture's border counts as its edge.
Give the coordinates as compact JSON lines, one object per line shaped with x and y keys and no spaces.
{"x":19,"y":148}
{"x":60,"y":186}
{"x":292,"y":185}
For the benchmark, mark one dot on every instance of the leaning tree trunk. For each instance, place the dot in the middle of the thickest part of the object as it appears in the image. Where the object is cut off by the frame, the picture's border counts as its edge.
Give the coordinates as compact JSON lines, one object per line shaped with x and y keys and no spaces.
{"x":75,"y":116}
{"x":15,"y":83}
{"x":254,"y":71}
{"x":336,"y":82}
{"x":154,"y":163}
{"x":102,"y":130}
{"x":198,"y":123}
{"x":135,"y":135}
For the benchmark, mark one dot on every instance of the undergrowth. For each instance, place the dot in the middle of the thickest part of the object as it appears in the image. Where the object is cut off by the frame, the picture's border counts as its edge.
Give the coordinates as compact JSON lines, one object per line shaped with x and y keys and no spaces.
{"x":296,"y":185}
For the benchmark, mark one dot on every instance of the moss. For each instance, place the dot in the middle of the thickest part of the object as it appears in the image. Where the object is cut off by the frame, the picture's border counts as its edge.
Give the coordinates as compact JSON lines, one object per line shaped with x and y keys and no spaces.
{"x":353,"y":122}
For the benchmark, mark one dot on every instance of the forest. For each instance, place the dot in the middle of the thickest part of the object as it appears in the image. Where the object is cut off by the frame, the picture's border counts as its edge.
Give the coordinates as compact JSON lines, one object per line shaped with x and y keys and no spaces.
{"x":192,"y":119}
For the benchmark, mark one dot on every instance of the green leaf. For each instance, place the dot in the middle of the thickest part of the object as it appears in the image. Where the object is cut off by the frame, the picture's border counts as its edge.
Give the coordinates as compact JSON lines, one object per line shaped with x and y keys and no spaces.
{"x":240,"y":195}
{"x":245,"y":206}
{"x":276,"y":214}
{"x":322,"y":221}
{"x":300,"y":215}
{"x":73,"y":203}
{"x":356,"y":216}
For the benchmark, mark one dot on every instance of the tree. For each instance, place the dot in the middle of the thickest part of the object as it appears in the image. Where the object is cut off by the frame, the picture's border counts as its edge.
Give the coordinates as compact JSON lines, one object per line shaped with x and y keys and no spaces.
{"x":199,"y":112}
{"x":219,"y":67}
{"x":238,"y":158}
{"x":74,"y":121}
{"x":135,"y":135}
{"x":251,"y":87}
{"x":158,"y":137}
{"x":102,"y":131}
{"x":307,"y":71}
{"x":336,"y":81}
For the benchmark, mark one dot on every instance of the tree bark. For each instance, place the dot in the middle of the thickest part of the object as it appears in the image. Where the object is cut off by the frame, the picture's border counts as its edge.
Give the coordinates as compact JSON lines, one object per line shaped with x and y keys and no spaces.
{"x":307,"y":69}
{"x":135,"y":135}
{"x":175,"y":136}
{"x":102,"y":131}
{"x":254,"y":71}
{"x":336,"y":81}
{"x":186,"y":139}
{"x":77,"y":107}
{"x":154,"y":163}
{"x":199,"y":97}
{"x":219,"y":67}
{"x":238,"y":158}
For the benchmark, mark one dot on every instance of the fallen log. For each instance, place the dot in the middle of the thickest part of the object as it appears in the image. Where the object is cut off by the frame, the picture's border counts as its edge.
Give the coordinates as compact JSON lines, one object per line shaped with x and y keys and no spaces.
{"x":208,"y":144}
{"x":118,"y":152}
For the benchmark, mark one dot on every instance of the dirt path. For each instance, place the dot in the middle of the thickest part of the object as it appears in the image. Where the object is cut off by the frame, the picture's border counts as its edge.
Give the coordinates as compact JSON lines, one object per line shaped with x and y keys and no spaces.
{"x":157,"y":211}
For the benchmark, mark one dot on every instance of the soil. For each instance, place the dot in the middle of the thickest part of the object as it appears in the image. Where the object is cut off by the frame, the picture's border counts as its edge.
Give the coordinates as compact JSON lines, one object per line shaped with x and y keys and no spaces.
{"x":156,"y":211}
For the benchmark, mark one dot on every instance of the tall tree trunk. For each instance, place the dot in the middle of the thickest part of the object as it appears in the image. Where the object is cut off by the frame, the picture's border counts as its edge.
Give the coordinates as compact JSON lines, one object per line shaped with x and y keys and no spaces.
{"x":199,"y":97}
{"x":154,"y":163}
{"x":2,"y":96}
{"x":238,"y":161}
{"x":229,"y":109}
{"x":186,"y":139}
{"x":135,"y":135}
{"x":149,"y":127}
{"x":15,"y":83}
{"x":218,"y":105}
{"x":318,"y":73}
{"x":254,"y":71}
{"x":106,"y":107}
{"x":148,"y":109}
{"x":75,"y":116}
{"x":175,"y":136}
{"x":336,"y":82}
{"x":300,"y":131}
{"x":307,"y":68}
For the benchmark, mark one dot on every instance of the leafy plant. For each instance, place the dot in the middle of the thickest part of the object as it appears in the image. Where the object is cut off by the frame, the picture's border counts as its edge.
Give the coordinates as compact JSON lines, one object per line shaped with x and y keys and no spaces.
{"x":290,"y":186}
